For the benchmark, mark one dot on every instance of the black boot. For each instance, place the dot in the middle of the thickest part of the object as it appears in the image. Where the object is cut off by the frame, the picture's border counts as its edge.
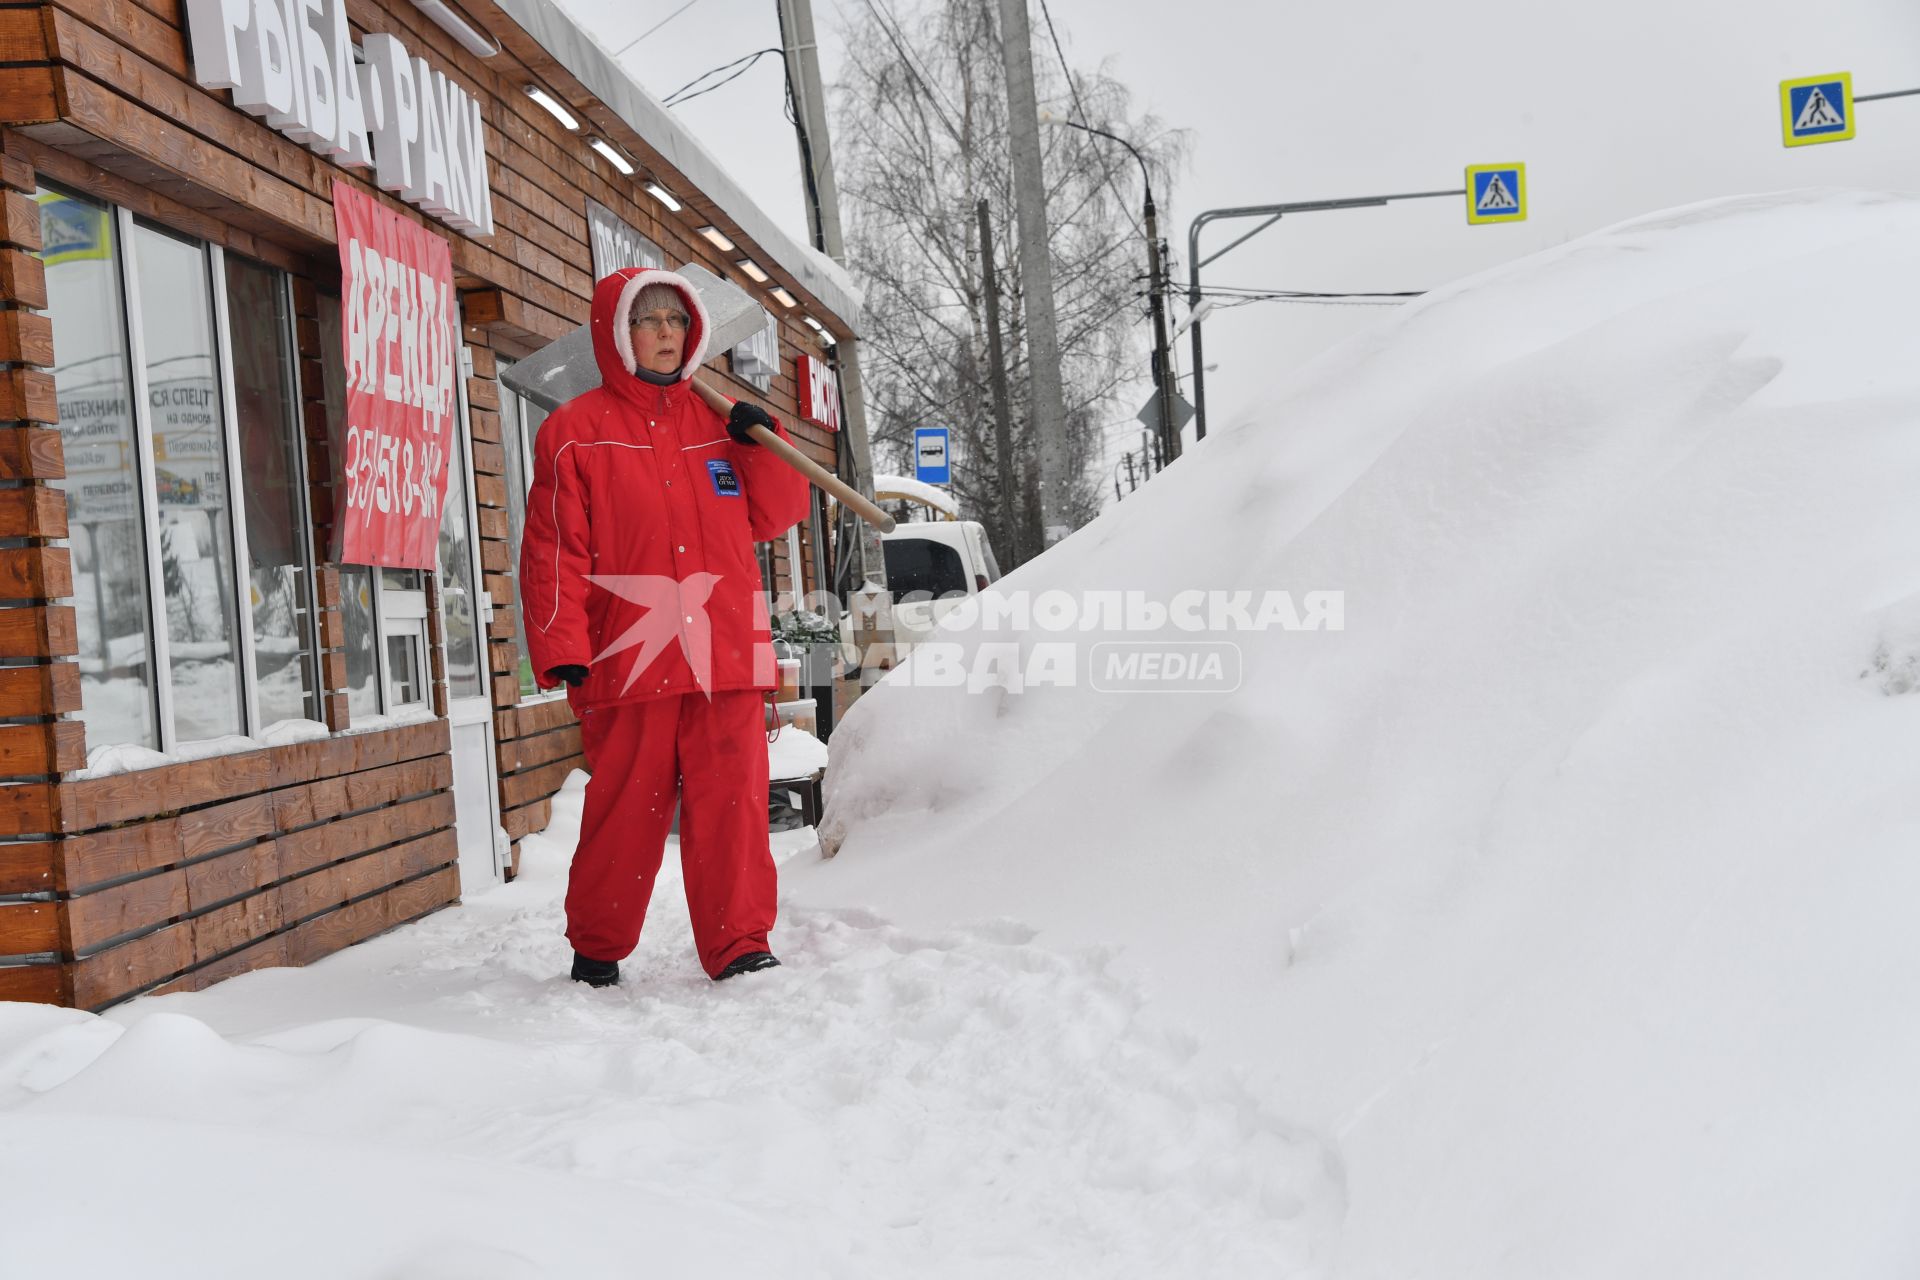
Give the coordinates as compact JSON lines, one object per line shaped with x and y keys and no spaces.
{"x":595,"y":973}
{"x":752,"y":962}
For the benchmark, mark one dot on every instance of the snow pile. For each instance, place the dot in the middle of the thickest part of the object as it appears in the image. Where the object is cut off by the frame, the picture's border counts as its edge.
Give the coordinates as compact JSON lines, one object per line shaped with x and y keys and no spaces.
{"x":442,"y":1102}
{"x":916,"y":490}
{"x":1566,"y":892}
{"x":795,"y":753}
{"x":126,"y":757}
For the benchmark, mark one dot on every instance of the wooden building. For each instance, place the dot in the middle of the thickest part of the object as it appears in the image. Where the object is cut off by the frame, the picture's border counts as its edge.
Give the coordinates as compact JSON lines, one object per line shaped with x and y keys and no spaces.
{"x":223,"y":749}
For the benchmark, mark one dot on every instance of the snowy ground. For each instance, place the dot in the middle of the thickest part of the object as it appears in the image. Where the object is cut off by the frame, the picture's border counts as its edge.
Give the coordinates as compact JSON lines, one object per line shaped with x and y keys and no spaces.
{"x":443,"y":1102}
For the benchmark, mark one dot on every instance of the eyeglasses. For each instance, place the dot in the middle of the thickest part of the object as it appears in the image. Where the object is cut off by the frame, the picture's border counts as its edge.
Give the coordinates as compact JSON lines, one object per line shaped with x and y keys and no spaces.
{"x":677,"y":321}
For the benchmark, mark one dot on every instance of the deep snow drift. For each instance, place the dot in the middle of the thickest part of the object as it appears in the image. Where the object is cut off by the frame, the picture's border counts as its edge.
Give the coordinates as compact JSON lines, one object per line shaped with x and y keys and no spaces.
{"x":1567,"y":893}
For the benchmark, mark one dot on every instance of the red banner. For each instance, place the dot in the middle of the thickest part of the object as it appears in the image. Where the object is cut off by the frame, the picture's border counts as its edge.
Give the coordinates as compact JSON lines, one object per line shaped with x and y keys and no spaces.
{"x":398,"y":329}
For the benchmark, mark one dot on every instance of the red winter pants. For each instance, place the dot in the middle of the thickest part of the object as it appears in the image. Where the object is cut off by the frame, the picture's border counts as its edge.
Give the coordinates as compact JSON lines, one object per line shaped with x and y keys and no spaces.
{"x":713,"y":752}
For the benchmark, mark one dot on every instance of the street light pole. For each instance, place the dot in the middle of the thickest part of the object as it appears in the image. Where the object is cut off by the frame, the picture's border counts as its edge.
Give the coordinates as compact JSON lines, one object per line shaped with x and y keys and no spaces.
{"x":1169,"y":435}
{"x":1272,"y":213}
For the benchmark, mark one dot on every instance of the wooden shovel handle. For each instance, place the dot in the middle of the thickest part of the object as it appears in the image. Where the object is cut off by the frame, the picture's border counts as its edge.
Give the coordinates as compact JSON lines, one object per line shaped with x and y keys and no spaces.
{"x":800,"y":462}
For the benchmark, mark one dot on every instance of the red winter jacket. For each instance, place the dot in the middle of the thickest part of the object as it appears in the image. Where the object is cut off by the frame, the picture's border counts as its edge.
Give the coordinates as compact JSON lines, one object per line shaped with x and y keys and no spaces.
{"x":638,"y":560}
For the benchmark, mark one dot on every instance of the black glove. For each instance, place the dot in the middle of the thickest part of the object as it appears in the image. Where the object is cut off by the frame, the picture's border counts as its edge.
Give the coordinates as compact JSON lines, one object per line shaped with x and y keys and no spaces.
{"x":744,"y":416}
{"x":573,"y":674}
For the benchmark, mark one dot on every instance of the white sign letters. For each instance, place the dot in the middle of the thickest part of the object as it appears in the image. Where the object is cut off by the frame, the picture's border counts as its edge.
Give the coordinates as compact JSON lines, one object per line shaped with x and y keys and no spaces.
{"x":291,"y":62}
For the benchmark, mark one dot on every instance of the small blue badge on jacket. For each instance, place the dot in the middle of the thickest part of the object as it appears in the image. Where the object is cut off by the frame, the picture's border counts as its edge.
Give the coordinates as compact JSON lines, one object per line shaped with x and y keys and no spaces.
{"x":725,"y":482}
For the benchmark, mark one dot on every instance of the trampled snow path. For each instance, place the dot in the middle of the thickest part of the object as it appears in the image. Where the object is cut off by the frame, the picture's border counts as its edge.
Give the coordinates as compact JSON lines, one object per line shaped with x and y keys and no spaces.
{"x":443,"y":1102}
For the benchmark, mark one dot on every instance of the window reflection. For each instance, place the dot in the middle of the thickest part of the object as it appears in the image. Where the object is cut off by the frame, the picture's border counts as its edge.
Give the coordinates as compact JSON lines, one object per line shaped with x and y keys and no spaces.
{"x":283,"y":647}
{"x":407,"y":682}
{"x":108,"y":533}
{"x":356,"y":609}
{"x":190,"y":473}
{"x":519,"y":425}
{"x":356,"y":581}
{"x":458,"y":615}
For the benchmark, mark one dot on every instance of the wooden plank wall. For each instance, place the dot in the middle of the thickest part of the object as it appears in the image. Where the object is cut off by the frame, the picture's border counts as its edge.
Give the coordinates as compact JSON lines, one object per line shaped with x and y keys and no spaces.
{"x":173,"y":878}
{"x":40,"y":680}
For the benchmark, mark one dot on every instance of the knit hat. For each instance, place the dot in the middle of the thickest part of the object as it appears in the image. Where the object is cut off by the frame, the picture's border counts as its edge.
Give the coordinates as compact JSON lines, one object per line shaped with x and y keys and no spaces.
{"x":657,"y":297}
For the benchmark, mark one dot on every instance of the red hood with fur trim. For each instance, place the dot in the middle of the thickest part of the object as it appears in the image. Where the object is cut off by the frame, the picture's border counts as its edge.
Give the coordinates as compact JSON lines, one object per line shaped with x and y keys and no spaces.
{"x":612,"y":322}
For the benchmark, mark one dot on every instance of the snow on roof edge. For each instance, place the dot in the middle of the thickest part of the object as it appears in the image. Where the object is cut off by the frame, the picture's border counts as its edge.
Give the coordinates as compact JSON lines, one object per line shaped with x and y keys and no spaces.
{"x":590,"y":63}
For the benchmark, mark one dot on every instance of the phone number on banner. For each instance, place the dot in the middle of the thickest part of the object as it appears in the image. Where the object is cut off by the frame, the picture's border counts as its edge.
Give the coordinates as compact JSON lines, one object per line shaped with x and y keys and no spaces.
{"x":384,"y":471}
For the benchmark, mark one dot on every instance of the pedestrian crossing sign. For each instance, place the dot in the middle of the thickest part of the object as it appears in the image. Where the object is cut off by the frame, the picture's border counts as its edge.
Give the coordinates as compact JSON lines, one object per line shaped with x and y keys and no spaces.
{"x":1496,"y":193}
{"x":1816,"y":109}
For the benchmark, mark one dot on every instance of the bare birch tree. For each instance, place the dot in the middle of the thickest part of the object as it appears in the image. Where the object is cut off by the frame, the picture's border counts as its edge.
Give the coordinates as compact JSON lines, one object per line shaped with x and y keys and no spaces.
{"x":920,"y":135}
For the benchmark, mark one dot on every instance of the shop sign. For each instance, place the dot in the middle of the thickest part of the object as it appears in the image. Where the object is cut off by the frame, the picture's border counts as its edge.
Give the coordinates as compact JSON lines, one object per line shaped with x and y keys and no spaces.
{"x":291,"y":62}
{"x":757,"y":358}
{"x":614,"y":243}
{"x":397,"y":333}
{"x":819,"y":393}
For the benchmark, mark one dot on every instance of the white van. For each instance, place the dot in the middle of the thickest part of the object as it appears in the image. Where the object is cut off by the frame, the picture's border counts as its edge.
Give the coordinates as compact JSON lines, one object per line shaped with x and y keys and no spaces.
{"x":939,"y":563}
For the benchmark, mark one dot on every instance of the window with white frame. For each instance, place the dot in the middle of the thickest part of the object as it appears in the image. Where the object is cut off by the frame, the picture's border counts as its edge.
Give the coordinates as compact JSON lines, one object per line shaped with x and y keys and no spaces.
{"x":186,"y":490}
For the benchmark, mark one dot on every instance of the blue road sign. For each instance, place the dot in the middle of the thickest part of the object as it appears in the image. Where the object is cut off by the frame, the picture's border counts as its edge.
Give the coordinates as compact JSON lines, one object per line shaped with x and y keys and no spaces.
{"x":930,"y":462}
{"x":1496,"y":193}
{"x":1816,"y":109}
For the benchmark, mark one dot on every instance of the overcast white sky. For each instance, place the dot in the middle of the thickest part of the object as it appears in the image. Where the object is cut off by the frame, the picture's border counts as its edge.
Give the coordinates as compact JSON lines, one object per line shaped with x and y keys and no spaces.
{"x":1616,"y":108}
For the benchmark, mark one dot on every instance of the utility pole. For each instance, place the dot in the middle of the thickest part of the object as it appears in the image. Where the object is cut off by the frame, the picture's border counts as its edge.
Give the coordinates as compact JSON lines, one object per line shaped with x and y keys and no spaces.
{"x":823,"y":219}
{"x":1132,"y":483}
{"x":1162,"y":365}
{"x":997,"y":374}
{"x":1036,"y":271}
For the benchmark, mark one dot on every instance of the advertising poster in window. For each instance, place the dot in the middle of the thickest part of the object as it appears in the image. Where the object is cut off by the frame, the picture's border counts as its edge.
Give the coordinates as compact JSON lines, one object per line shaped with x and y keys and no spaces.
{"x":397,"y":337}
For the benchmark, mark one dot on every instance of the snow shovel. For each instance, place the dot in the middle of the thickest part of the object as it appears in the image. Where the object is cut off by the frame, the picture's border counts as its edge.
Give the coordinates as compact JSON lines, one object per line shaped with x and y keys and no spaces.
{"x":565,"y":368}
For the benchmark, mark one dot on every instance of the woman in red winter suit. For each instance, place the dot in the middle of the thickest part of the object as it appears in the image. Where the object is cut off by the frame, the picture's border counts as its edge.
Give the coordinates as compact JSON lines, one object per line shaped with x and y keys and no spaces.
{"x":641,"y":591}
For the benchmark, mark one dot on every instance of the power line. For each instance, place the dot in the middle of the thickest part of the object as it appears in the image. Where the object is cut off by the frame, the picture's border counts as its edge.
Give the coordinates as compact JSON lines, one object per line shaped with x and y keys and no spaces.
{"x":655,"y":27}
{"x":926,"y":79}
{"x":1081,"y":107}
{"x":899,"y":46}
{"x":675,"y":98}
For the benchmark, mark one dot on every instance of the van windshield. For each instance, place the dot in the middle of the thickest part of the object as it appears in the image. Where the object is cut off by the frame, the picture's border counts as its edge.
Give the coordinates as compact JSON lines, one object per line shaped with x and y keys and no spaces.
{"x":919,"y":564}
